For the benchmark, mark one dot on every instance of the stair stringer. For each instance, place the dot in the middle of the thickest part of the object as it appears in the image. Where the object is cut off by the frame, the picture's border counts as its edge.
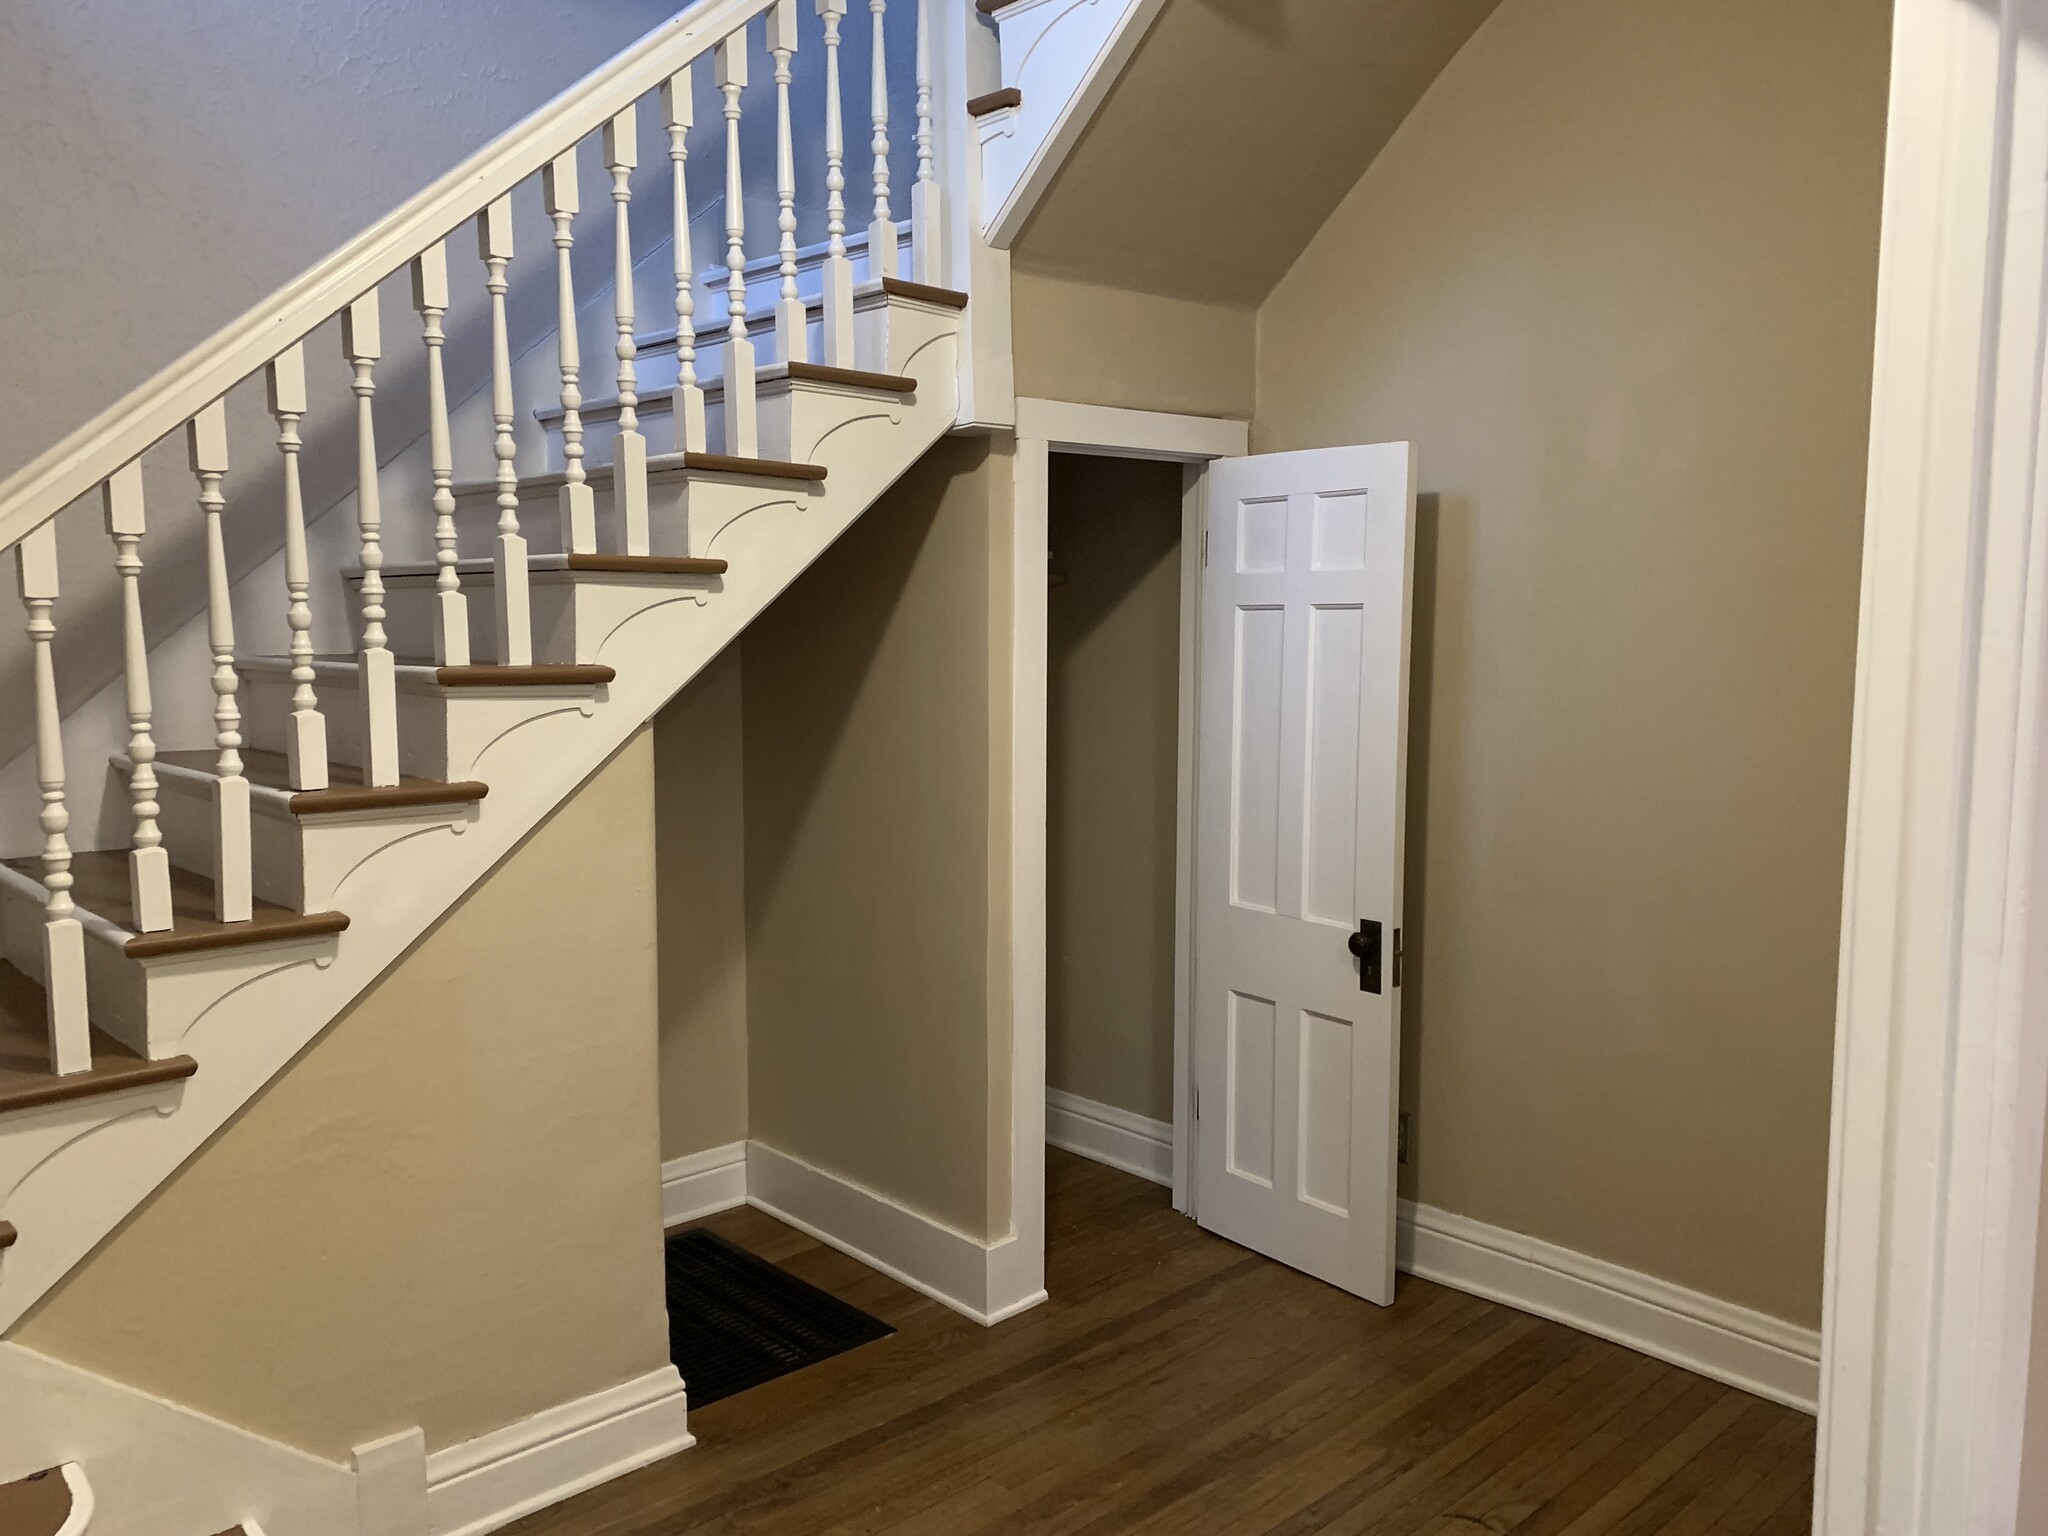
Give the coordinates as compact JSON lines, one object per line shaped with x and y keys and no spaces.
{"x":71,"y":1172}
{"x":1061,"y":56}
{"x":157,"y":1467}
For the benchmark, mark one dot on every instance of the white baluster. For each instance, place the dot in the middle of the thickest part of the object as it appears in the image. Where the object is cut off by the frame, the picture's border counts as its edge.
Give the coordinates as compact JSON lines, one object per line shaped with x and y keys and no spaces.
{"x":791,"y":321}
{"x":838,"y":269}
{"x":688,"y":401}
{"x":35,"y":560}
{"x":306,"y":737}
{"x":149,"y":865}
{"x":451,"y":608}
{"x":742,"y":431}
{"x":579,"y":511}
{"x":208,"y":439}
{"x":882,"y":257}
{"x":362,"y":341}
{"x":629,"y":455}
{"x":927,"y":199}
{"x":515,"y":612}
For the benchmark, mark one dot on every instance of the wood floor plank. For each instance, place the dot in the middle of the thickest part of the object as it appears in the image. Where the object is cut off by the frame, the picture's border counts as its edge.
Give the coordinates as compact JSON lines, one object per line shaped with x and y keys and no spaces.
{"x":1177,"y":1385}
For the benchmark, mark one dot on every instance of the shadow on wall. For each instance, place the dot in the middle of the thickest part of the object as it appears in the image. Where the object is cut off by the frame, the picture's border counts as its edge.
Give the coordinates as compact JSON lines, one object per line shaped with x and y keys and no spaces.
{"x":1415,"y":873}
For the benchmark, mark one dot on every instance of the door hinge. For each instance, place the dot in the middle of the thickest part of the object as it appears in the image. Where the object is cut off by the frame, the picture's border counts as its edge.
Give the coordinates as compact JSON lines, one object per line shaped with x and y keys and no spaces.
{"x":1205,"y":549}
{"x":1397,"y":957}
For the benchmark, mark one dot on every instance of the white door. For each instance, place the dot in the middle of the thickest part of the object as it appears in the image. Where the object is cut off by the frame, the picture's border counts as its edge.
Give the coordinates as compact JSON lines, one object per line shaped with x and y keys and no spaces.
{"x":1303,"y":745}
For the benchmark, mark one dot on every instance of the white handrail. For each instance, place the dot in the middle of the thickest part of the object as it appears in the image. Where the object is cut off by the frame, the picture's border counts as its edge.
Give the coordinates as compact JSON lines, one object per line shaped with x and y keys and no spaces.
{"x":38,"y":491}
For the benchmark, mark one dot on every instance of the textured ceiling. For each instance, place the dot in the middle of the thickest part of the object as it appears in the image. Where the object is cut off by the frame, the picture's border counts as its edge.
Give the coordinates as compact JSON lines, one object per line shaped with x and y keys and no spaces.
{"x":1232,"y":135}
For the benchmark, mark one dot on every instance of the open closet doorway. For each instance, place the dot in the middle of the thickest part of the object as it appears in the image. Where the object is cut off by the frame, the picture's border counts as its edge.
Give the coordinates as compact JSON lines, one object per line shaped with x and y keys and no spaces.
{"x":1113,"y":622}
{"x":1216,"y":731}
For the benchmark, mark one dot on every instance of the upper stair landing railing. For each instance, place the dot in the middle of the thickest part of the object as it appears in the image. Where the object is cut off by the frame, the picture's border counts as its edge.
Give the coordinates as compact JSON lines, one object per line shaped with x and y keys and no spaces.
{"x":269,"y":339}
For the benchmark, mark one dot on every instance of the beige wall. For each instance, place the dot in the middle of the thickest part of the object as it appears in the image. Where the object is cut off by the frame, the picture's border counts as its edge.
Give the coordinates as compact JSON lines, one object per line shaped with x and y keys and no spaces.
{"x":1112,"y":746}
{"x":1111,"y":346}
{"x":1615,"y":276}
{"x":875,"y":947}
{"x":446,"y":1212}
{"x":700,"y":875}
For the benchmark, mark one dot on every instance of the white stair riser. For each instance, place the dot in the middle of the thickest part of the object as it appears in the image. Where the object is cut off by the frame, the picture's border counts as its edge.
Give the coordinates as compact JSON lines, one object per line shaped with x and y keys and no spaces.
{"x":301,"y":862}
{"x":149,"y":1005}
{"x":423,"y":747}
{"x":573,"y":614}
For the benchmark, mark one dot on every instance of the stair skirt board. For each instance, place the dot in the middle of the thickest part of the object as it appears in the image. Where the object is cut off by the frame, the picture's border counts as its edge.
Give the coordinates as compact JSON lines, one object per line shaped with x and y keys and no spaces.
{"x":1750,"y":1350}
{"x":985,"y":1281}
{"x":159,"y":1466}
{"x":1106,"y":1134}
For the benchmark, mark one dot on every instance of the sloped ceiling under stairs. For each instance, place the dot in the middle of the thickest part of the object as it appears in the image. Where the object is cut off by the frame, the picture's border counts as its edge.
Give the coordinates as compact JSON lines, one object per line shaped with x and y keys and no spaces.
{"x":1231,"y":137}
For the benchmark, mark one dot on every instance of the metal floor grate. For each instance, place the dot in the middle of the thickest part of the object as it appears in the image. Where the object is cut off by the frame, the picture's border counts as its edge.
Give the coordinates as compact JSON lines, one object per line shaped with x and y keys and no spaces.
{"x":735,"y":1321}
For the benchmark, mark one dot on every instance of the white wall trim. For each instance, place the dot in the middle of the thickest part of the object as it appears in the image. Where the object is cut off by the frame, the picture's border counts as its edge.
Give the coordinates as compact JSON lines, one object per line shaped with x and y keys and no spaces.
{"x":1717,"y":1339}
{"x":1941,"y":1046}
{"x":975,"y":1278}
{"x":1069,"y":426}
{"x":511,"y":1472}
{"x":81,"y":1501}
{"x":1066,"y":426}
{"x":1134,"y":1143}
{"x":703,"y":1183}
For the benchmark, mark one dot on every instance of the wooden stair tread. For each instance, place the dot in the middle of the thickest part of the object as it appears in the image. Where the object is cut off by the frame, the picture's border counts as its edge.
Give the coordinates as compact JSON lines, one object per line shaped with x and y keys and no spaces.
{"x":36,"y":1505}
{"x":7,"y":1234}
{"x":924,"y":293}
{"x":990,"y":7}
{"x":648,"y":565}
{"x":100,"y":886}
{"x":540,"y":675}
{"x":995,"y":101}
{"x":658,"y":464}
{"x":272,"y":770}
{"x":25,"y":1077}
{"x":760,"y":469}
{"x":853,"y":378}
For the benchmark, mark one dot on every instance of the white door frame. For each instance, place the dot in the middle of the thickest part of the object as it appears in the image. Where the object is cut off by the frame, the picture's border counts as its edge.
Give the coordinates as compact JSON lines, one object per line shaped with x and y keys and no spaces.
{"x":1046,"y":427}
{"x":1942,"y":1026}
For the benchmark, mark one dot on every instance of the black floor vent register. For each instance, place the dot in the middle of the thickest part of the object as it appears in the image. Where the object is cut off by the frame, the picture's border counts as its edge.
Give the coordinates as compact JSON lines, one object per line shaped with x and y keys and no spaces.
{"x":735,"y":1321}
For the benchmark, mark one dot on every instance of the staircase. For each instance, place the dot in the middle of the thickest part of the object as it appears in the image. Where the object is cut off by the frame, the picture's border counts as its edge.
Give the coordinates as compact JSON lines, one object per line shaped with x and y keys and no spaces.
{"x":273,"y":866}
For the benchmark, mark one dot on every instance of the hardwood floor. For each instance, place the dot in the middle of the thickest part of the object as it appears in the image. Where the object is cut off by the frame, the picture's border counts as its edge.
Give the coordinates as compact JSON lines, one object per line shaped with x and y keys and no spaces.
{"x":1176,"y":1383}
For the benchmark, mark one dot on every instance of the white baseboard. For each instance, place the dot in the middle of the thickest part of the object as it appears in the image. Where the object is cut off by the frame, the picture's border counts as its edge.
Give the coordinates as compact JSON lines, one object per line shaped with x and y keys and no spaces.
{"x":703,"y":1183}
{"x":908,"y":1246}
{"x":1110,"y":1135}
{"x":1746,"y":1349}
{"x":1751,"y":1350}
{"x":497,"y":1478}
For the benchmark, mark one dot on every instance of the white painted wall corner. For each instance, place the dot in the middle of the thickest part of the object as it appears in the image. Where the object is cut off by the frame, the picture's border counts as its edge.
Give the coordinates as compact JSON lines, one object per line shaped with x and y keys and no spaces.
{"x":703,"y":1183}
